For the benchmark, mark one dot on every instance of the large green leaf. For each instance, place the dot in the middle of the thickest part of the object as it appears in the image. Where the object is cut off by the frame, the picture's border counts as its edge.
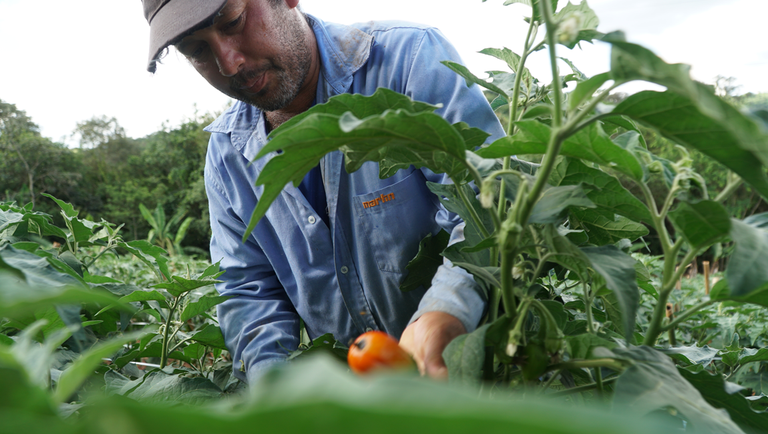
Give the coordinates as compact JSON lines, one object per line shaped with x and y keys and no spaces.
{"x":422,"y":268}
{"x":725,"y":135}
{"x":202,"y":305}
{"x":395,"y":137}
{"x":606,"y":192}
{"x":653,"y":382}
{"x":748,"y":267}
{"x":702,"y":223}
{"x":713,"y":389}
{"x":607,"y":228}
{"x":555,"y":200}
{"x":618,"y":271}
{"x":590,"y":144}
{"x":82,"y":367}
{"x":465,"y":356}
{"x":159,"y":386}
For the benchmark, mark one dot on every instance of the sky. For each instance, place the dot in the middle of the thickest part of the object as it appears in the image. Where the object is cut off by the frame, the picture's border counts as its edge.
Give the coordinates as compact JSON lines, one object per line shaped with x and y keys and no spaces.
{"x":65,"y":62}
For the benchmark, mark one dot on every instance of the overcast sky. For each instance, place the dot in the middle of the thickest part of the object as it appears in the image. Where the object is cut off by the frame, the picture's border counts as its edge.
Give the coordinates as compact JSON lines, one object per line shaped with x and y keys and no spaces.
{"x":67,"y":61}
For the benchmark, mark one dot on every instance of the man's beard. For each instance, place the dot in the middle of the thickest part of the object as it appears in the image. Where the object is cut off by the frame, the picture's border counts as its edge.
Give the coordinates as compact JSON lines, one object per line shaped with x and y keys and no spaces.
{"x":286,"y":79}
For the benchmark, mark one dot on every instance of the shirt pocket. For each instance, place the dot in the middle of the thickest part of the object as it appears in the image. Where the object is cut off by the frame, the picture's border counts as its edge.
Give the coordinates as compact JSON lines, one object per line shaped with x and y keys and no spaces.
{"x":395,"y":219}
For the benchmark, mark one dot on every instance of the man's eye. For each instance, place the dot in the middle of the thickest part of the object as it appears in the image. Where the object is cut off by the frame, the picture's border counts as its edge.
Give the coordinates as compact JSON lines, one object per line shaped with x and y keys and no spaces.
{"x":234,"y":23}
{"x":194,"y":51}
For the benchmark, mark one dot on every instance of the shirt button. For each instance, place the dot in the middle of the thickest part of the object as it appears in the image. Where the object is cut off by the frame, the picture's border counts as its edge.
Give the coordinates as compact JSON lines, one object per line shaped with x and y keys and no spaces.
{"x":312,"y":219}
{"x":344,"y":269}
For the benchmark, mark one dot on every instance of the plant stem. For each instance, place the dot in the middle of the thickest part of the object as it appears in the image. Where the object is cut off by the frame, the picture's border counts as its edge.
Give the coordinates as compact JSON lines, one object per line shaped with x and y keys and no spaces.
{"x":660,"y":310}
{"x":588,"y":307}
{"x":734,"y":182}
{"x":166,"y":333}
{"x":580,"y":389}
{"x":592,"y":363}
{"x":687,"y":314}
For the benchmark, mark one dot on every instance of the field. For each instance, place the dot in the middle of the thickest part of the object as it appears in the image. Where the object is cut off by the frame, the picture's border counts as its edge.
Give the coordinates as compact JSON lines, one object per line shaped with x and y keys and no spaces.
{"x":624,"y":294}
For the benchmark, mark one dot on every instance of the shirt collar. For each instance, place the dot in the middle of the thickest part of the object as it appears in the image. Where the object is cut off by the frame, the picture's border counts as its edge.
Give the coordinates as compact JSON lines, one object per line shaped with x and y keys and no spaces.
{"x":343,"y":51}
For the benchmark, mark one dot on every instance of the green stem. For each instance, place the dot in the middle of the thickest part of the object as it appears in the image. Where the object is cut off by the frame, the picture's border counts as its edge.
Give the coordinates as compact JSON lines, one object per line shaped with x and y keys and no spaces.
{"x":614,"y":364}
{"x":557,"y":91}
{"x":573,"y":125}
{"x":660,"y":310}
{"x":588,"y":307}
{"x":507,"y":283}
{"x":580,"y":389}
{"x":734,"y":182}
{"x":549,"y":381}
{"x":599,"y":382}
{"x":166,"y":333}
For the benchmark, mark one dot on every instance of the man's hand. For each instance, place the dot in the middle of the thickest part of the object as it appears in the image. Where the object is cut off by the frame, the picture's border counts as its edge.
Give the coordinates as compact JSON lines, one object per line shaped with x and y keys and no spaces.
{"x":426,"y":338}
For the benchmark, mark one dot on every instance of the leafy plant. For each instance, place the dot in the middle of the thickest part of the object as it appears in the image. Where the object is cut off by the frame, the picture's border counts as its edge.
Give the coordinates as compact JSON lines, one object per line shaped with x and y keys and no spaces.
{"x":548,"y":243}
{"x":62,"y":318}
{"x":162,"y":231}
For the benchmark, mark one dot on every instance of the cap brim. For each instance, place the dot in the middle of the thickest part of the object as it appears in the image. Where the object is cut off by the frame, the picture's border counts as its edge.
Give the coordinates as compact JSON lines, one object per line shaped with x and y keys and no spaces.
{"x":176,"y":20}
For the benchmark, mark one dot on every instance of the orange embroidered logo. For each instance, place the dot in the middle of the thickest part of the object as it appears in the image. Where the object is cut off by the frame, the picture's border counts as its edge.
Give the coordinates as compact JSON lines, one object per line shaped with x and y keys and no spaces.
{"x":379,"y":200}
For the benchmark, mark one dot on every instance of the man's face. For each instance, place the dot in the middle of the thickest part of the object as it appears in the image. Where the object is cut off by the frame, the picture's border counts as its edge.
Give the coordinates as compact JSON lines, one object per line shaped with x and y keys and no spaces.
{"x":256,"y":51}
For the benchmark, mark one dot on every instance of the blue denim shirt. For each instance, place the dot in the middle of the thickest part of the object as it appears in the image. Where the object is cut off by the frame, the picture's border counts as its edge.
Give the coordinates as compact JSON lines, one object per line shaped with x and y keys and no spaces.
{"x":343,"y":279}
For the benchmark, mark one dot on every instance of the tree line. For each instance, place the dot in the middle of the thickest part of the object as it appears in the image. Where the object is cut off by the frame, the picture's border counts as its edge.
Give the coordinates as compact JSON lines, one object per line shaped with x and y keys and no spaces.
{"x":110,"y":175}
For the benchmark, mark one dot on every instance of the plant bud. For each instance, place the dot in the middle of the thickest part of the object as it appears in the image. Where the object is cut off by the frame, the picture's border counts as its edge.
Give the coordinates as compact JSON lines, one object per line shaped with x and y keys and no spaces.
{"x":486,"y":193}
{"x":568,"y":30}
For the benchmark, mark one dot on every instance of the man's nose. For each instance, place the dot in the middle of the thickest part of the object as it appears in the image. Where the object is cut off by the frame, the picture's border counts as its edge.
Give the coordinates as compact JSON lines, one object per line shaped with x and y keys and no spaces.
{"x":229,"y":59}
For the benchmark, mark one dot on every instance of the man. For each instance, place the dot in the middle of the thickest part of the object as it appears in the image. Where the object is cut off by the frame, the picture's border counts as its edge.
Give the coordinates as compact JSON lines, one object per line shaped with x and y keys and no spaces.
{"x":319,"y":255}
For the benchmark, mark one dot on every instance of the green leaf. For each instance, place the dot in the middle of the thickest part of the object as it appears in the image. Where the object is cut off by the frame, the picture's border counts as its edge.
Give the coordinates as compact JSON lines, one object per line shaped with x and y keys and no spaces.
{"x":396,"y":138}
{"x":606,"y":228}
{"x":471,"y":79}
{"x":203,"y":305}
{"x":453,"y":203}
{"x":80,"y":369}
{"x":422,"y":268}
{"x":555,"y":200}
{"x":179,"y":285}
{"x":66,"y":208}
{"x":713,"y":389}
{"x":702,"y":223}
{"x":465,"y":356}
{"x":748,"y":267}
{"x":606,"y":192}
{"x":590,"y":143}
{"x":210,"y":335}
{"x":155,"y":257}
{"x":159,"y":386}
{"x":140,"y":295}
{"x":586,"y":89}
{"x":581,"y":346}
{"x":722,"y":133}
{"x":653,"y":382}
{"x":618,"y":271}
